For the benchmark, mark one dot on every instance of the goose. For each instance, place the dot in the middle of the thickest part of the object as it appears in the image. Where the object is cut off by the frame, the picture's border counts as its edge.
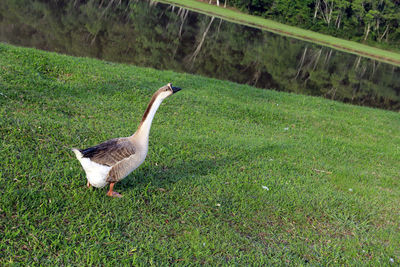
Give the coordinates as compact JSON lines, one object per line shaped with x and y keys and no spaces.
{"x":113,"y":160}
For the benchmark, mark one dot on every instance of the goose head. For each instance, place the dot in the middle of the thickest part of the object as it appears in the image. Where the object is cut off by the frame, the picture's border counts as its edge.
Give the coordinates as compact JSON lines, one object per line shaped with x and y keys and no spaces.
{"x":167,"y":90}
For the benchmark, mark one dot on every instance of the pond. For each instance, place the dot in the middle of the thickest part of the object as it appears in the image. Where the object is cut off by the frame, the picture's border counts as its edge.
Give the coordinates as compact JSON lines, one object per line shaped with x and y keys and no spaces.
{"x":151,"y":34}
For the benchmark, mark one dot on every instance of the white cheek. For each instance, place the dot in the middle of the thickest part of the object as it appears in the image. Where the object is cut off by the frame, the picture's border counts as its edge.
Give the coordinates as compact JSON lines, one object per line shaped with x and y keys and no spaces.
{"x":166,"y":94}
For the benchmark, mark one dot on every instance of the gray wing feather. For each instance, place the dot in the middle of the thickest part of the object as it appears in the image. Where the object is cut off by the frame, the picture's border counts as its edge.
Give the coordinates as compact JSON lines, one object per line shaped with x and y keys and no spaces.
{"x":110,"y":152}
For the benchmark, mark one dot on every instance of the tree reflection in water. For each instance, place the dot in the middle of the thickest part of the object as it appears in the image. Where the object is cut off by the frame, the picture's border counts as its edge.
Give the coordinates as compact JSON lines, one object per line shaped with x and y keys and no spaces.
{"x":166,"y":37}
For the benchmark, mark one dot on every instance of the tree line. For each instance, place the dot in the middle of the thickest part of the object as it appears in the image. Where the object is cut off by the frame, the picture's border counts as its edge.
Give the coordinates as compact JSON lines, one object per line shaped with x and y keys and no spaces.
{"x":375,"y":22}
{"x":166,"y":37}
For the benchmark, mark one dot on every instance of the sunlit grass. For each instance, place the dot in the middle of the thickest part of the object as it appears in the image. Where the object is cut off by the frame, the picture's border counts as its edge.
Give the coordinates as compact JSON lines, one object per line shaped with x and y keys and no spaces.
{"x":280,"y":28}
{"x":234,"y":175}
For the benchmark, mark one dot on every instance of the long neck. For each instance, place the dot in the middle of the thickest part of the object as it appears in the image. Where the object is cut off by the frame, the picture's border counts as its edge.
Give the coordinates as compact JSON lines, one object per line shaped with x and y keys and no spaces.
{"x":143,"y":130}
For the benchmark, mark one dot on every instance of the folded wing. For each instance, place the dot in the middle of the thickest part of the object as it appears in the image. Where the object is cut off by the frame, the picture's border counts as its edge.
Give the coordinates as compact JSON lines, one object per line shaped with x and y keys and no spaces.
{"x":110,"y":152}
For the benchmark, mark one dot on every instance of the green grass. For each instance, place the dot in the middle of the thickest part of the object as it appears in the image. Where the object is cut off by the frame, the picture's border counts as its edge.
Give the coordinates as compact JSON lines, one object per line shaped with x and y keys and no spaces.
{"x":291,"y":31}
{"x":331,"y":169}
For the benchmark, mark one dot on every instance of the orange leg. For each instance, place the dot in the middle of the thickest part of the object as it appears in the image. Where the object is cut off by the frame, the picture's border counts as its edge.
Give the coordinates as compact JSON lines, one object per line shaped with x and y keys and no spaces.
{"x":112,"y":193}
{"x":88,"y":184}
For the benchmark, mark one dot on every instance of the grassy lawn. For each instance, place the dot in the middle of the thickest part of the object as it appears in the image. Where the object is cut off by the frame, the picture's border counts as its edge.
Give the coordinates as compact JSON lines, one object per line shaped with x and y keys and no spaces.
{"x":234,"y":174}
{"x":302,"y":34}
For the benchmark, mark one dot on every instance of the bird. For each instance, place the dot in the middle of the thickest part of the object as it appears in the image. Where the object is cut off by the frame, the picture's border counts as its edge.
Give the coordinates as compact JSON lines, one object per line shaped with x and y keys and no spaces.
{"x":113,"y":160}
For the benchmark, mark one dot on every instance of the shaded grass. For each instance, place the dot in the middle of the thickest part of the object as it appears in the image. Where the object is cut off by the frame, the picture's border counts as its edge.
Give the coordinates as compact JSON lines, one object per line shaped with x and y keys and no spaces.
{"x":291,"y":31}
{"x":331,"y":171}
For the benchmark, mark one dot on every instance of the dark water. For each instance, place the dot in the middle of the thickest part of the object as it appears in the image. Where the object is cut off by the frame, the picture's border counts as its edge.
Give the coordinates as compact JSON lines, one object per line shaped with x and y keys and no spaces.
{"x":165,"y":37}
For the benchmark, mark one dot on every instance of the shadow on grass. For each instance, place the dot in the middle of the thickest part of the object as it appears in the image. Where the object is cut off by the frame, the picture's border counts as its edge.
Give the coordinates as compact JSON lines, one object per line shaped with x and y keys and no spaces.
{"x":162,"y":175}
{"x":178,"y":170}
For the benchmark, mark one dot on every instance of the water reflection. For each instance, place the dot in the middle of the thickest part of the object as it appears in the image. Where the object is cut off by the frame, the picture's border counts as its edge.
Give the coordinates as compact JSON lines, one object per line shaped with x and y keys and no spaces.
{"x":166,"y":37}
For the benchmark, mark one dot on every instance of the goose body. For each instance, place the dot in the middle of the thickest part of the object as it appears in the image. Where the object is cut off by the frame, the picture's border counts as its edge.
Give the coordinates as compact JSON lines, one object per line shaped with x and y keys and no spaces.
{"x":113,"y":160}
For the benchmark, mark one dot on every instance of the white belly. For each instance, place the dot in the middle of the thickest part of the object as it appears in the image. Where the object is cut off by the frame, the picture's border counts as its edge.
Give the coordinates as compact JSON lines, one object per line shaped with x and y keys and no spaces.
{"x":96,"y":173}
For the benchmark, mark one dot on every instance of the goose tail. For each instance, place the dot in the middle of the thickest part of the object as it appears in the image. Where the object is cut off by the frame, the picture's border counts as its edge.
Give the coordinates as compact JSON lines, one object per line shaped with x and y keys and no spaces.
{"x":78,"y":154}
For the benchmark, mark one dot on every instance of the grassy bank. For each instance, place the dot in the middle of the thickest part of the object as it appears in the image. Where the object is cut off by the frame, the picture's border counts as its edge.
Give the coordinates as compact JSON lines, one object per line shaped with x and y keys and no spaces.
{"x":234,"y":174}
{"x":276,"y":27}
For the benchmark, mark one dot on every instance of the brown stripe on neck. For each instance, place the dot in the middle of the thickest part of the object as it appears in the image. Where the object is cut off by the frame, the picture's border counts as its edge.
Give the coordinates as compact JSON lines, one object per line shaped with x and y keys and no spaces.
{"x":146,"y":113}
